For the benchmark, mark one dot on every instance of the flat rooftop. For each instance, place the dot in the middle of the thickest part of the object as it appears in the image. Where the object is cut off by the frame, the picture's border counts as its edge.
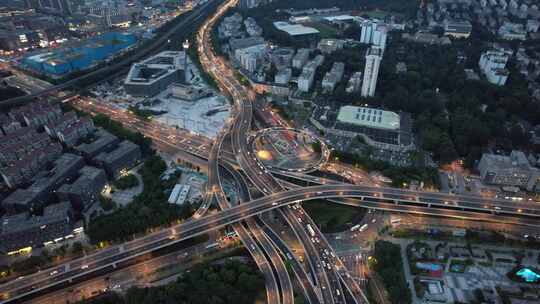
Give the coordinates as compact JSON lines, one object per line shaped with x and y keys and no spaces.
{"x":156,"y":67}
{"x":295,"y":29}
{"x":369,"y":117}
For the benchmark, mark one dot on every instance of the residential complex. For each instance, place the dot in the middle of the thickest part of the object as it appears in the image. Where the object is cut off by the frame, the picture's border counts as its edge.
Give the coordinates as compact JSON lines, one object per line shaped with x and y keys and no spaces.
{"x":22,"y":232}
{"x":374,"y":33}
{"x":371,"y":71}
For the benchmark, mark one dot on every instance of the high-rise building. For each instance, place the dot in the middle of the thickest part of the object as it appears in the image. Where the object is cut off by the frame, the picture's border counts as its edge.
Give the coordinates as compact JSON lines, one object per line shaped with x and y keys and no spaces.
{"x":63,"y":6}
{"x":371,"y":71}
{"x":373,"y":33}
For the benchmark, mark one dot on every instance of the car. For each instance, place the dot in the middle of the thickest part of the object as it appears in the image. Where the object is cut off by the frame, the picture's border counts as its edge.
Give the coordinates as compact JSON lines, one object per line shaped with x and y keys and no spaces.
{"x":84,"y":267}
{"x":374,"y":220}
{"x":274,"y":204}
{"x":53,"y":272}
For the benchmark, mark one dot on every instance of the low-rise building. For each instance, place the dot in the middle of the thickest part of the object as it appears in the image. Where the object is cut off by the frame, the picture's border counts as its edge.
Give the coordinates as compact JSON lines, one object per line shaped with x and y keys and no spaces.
{"x":22,"y":232}
{"x":36,"y":114}
{"x":72,"y":133}
{"x":512,"y":31}
{"x":104,"y":141}
{"x":179,"y":194}
{"x":297,"y":31}
{"x":8,"y":124}
{"x":123,"y":157}
{"x":46,"y":182}
{"x":492,"y":64}
{"x":458,"y":29}
{"x":243,"y":43}
{"x":512,"y":170}
{"x":328,"y":46}
{"x":85,"y":190}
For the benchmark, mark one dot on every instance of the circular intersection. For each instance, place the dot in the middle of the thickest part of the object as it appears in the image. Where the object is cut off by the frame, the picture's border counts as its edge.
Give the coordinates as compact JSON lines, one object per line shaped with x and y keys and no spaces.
{"x":289,"y":150}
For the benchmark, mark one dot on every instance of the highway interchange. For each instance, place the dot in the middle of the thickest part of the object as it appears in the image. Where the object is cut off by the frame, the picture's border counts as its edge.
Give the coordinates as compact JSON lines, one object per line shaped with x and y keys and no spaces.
{"x":327,"y":278}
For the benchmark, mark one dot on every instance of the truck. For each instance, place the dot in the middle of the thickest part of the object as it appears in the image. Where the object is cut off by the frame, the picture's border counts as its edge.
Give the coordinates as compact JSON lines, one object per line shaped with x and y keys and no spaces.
{"x":310,"y":229}
{"x":395,"y":221}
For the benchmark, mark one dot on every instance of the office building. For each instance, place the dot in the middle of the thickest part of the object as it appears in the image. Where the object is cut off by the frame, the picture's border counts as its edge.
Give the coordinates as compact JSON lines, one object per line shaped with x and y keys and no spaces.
{"x":513,"y":170}
{"x":492,"y":64}
{"x":381,"y":129}
{"x":155,"y":74}
{"x":371,"y":71}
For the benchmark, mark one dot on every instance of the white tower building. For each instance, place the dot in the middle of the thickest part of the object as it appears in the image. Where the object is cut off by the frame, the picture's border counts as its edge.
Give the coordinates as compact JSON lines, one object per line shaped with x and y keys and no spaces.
{"x":371,"y":71}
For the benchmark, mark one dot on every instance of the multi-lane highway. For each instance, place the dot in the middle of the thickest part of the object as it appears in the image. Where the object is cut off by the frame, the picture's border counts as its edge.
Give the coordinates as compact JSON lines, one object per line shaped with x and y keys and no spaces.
{"x":330,"y":274}
{"x":319,"y":254}
{"x":115,"y":254}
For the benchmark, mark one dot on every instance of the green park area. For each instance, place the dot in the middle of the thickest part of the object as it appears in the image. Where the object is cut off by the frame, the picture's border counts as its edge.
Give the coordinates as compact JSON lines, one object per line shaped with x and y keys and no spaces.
{"x":231,"y":282}
{"x":332,"y":217}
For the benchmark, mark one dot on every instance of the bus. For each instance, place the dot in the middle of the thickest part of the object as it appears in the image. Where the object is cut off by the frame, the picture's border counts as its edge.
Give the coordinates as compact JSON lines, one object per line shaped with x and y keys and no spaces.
{"x":213,"y":245}
{"x":310,"y":229}
{"x":363,"y":228}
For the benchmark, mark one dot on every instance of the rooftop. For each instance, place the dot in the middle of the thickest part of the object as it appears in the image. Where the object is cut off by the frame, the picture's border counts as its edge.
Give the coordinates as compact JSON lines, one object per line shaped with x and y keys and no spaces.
{"x":20,"y":222}
{"x":156,"y":67}
{"x":295,"y":29}
{"x":369,"y":117}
